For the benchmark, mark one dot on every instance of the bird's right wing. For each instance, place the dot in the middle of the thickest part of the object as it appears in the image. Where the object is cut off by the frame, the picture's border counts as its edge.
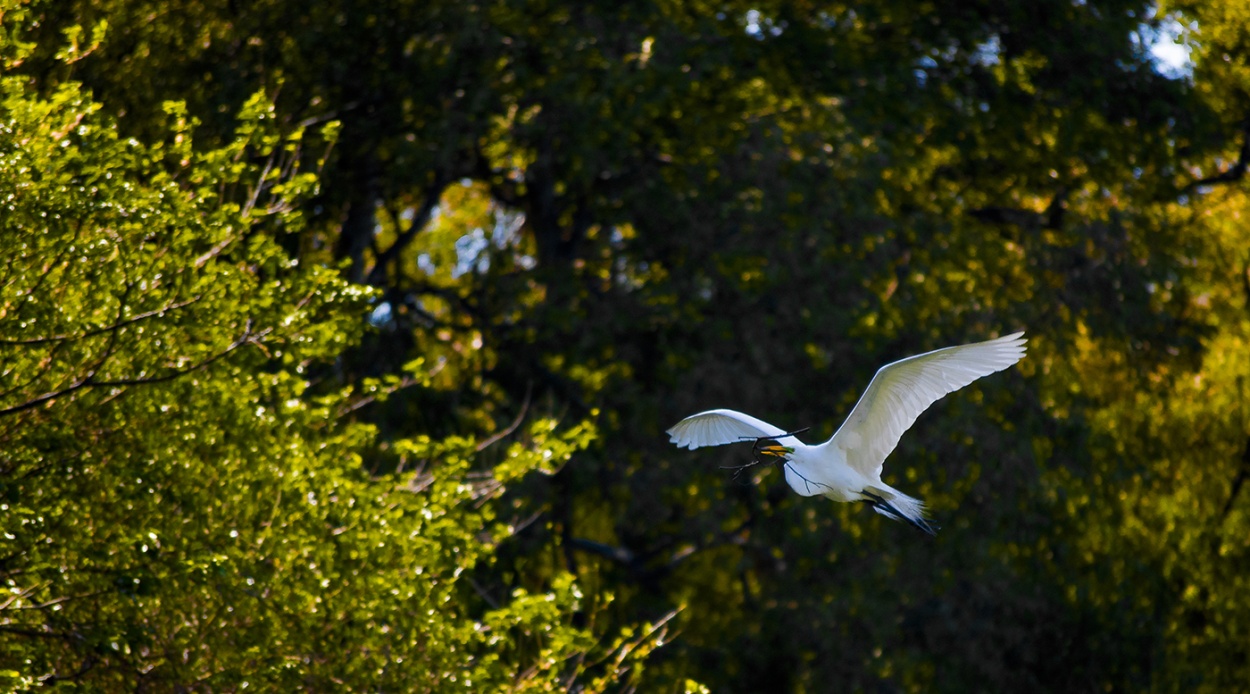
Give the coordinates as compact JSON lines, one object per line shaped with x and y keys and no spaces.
{"x":902,"y":390}
{"x":718,"y":427}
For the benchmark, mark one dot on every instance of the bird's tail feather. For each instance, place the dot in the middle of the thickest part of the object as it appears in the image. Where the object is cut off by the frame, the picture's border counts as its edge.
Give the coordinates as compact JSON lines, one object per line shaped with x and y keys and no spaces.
{"x":895,"y":505}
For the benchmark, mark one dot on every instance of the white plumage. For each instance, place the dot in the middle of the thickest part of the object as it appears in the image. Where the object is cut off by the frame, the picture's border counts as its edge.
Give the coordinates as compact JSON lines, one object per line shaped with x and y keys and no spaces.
{"x":847,"y":467}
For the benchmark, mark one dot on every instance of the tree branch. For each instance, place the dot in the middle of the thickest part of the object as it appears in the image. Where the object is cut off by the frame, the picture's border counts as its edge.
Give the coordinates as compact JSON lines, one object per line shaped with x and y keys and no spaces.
{"x":86,"y":665}
{"x":100,"y":331}
{"x":1238,"y":482}
{"x":1052,"y":218}
{"x":7,"y":629}
{"x":620,"y":555}
{"x":637,"y":563}
{"x":502,"y":188}
{"x":1237,"y":171}
{"x":90,"y":380}
{"x":433,"y":193}
{"x":525,"y":406}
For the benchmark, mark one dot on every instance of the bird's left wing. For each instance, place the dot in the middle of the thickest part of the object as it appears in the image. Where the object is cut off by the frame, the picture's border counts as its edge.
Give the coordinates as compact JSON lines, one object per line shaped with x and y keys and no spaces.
{"x":718,"y":427}
{"x":901,"y":391}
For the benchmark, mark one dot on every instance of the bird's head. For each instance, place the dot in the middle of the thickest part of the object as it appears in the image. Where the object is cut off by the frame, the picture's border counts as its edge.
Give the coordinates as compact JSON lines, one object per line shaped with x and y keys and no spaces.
{"x":767,"y":446}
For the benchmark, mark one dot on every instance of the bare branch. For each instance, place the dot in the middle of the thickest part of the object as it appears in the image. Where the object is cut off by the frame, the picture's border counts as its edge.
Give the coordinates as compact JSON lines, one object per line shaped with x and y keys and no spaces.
{"x":525,"y":405}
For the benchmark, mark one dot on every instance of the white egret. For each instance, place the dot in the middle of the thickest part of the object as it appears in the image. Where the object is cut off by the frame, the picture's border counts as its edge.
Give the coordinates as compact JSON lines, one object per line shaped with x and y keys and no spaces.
{"x":848,"y":466}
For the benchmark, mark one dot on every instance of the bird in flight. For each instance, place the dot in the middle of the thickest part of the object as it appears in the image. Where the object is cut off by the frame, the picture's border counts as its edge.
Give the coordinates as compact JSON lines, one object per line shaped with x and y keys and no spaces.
{"x":848,"y":466}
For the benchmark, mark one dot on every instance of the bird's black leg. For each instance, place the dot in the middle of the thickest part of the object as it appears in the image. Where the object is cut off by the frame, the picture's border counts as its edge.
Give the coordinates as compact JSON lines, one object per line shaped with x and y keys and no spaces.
{"x":881,"y":504}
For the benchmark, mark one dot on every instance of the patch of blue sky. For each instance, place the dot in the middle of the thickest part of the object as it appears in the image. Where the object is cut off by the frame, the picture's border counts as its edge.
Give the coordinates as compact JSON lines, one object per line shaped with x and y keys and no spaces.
{"x":1167,"y":40}
{"x":760,"y":26}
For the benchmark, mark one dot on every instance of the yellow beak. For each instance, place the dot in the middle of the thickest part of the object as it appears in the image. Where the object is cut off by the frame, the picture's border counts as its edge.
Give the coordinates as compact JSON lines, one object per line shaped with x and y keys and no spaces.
{"x":775,"y":450}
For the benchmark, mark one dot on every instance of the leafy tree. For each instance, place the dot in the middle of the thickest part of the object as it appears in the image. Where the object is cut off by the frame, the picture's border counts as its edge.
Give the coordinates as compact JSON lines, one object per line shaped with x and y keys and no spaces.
{"x":187,"y":502}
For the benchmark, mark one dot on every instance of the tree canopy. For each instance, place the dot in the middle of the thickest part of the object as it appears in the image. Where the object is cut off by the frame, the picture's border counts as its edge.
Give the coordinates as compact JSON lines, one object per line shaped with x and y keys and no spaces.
{"x":337,"y":342}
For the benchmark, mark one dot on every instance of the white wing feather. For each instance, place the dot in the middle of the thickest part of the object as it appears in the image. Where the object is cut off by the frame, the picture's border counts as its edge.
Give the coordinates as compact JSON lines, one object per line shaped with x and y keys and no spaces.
{"x":901,"y":391}
{"x":719,"y":427}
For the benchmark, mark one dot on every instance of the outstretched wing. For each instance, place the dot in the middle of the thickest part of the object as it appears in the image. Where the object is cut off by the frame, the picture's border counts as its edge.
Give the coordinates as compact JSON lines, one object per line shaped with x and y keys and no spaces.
{"x":718,"y":427}
{"x":902,"y":390}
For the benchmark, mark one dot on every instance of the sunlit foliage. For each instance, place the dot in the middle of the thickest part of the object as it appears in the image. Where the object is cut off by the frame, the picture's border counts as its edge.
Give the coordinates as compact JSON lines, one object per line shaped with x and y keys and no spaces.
{"x":185,"y":497}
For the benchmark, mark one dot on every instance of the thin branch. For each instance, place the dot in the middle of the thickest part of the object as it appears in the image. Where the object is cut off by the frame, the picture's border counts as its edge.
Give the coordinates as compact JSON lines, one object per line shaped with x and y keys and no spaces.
{"x":1243,"y":471}
{"x":90,"y":380}
{"x":637,"y":563}
{"x":49,"y":463}
{"x":517,"y":526}
{"x":22,"y":595}
{"x":213,"y":252}
{"x":246,"y":338}
{"x":660,"y":627}
{"x":92,"y":370}
{"x":58,"y":601}
{"x":57,"y":261}
{"x":1245,"y":282}
{"x":86,"y":665}
{"x":46,"y":365}
{"x":1052,"y":218}
{"x":99,"y":331}
{"x":1237,"y":171}
{"x":525,"y":405}
{"x":407,"y":382}
{"x":325,"y":117}
{"x":254,"y":199}
{"x":6,"y":629}
{"x":620,"y":555}
{"x":563,"y":508}
{"x":484,"y":594}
